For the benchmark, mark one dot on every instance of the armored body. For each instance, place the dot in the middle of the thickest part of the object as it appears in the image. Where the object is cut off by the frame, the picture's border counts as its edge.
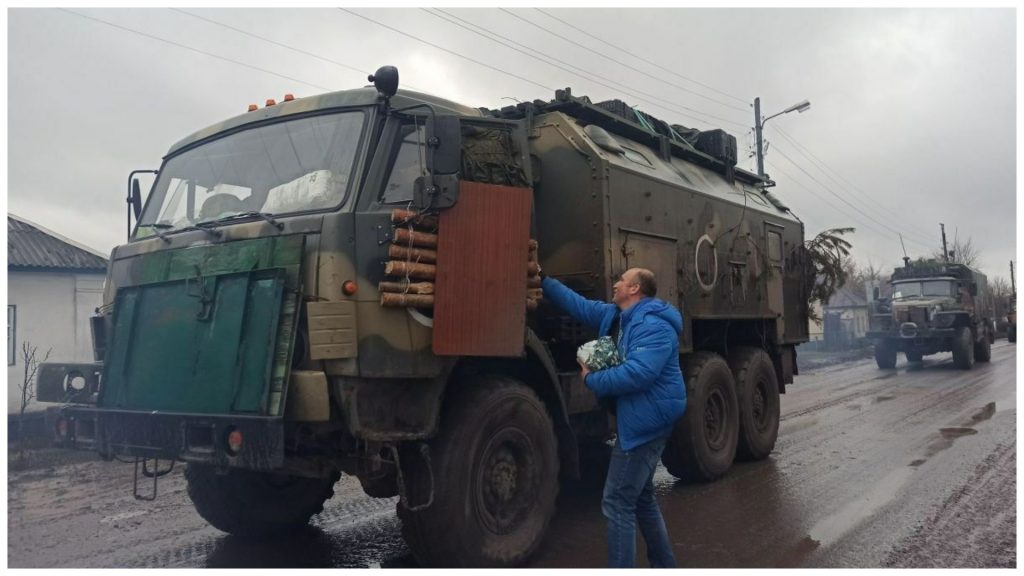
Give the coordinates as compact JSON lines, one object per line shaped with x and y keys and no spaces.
{"x":346,"y":283}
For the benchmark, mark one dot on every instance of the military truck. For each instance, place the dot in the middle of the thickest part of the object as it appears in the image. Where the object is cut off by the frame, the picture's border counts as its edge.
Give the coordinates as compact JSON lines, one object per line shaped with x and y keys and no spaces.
{"x":934,"y":307}
{"x":346,"y":283}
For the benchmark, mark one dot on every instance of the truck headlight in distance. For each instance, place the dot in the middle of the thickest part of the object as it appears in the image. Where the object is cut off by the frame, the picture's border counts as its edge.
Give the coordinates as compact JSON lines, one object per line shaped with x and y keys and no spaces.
{"x":944,"y":320}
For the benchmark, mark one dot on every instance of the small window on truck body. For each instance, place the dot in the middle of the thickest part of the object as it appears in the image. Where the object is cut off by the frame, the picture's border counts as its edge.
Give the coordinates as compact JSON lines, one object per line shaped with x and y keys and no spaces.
{"x":774,"y":246}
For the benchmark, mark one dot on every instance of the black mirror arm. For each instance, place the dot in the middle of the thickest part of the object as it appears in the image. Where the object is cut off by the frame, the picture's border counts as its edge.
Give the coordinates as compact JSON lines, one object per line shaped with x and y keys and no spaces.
{"x":130,"y":198}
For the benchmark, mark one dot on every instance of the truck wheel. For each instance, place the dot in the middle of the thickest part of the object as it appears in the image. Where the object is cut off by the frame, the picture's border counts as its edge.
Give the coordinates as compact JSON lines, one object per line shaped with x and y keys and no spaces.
{"x":885,"y":355}
{"x":757,"y":392}
{"x":1011,"y":334}
{"x":256,"y":504}
{"x":983,"y":350}
{"x":914,"y":357}
{"x":703,"y":444}
{"x":495,"y":474}
{"x":963,"y":349}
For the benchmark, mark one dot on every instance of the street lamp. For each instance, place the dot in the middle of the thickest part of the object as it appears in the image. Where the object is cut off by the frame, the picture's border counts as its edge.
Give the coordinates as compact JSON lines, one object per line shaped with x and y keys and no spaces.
{"x":800,"y":107}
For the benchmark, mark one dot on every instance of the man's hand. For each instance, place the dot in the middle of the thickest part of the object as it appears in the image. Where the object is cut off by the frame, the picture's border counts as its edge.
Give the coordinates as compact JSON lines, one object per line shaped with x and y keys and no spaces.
{"x":583,"y":370}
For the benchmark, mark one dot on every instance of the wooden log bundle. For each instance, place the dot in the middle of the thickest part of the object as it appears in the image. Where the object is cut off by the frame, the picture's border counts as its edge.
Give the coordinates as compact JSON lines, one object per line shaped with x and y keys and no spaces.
{"x":412,"y":261}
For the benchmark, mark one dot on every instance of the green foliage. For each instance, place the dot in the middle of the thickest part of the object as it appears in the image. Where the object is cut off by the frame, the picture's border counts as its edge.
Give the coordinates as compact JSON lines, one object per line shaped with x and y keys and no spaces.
{"x":825,"y":269}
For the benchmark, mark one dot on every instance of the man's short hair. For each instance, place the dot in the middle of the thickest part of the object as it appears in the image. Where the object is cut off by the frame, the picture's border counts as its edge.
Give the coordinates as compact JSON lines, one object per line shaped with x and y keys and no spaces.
{"x":645,"y":278}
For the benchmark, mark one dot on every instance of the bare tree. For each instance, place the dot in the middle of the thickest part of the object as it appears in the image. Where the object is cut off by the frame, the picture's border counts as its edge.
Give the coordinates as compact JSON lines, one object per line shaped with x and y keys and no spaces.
{"x":1001,"y":293}
{"x":961,"y":252}
{"x":28,"y":388}
{"x":825,"y":267}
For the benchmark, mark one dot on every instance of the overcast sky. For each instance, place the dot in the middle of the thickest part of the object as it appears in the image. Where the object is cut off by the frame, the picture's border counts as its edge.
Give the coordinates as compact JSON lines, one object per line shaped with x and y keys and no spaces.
{"x":913,"y":117}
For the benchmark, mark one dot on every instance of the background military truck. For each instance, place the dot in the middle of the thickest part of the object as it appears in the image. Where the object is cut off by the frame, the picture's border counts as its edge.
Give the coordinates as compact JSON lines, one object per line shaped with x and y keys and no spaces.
{"x":935,"y":307}
{"x":346,"y":283}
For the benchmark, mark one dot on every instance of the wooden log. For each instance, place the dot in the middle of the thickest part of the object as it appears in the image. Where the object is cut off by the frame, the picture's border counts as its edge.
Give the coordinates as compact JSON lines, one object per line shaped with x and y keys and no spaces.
{"x":533,"y":282}
{"x":424,"y":255}
{"x":532,"y":304}
{"x":532,"y":269}
{"x":392,"y":300}
{"x":403,"y":287}
{"x":405,"y":237}
{"x":535,"y":293}
{"x":403,"y":217}
{"x":410,"y":269}
{"x":533,"y":245}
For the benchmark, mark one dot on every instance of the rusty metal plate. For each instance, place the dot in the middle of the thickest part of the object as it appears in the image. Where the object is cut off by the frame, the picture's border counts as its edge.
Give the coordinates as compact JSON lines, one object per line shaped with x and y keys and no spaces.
{"x":480,"y":302}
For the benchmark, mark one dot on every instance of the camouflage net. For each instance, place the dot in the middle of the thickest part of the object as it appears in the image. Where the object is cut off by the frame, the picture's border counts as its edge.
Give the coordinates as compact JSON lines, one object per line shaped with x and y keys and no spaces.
{"x":491,"y":156}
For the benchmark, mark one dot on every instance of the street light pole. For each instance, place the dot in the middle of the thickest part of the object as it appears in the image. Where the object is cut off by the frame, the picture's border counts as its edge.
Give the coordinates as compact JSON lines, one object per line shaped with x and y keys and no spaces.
{"x":800,"y":107}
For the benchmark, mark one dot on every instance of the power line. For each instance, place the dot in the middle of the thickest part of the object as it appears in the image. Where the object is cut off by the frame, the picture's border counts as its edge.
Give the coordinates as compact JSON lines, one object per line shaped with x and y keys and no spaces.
{"x":197,"y":50}
{"x":618,"y":85}
{"x":443,"y":49}
{"x":817,"y":196}
{"x":620,"y":63}
{"x":825,"y":169}
{"x":281,"y":44}
{"x":830,"y":191}
{"x":658,"y":66}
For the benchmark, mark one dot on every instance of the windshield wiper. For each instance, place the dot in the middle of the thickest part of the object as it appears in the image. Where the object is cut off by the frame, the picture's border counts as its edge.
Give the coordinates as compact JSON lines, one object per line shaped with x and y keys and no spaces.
{"x":156,"y":227}
{"x":267,"y":216}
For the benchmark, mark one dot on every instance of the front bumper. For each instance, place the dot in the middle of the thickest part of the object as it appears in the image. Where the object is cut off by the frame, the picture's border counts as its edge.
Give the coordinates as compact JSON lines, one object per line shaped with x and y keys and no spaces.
{"x":200,"y":438}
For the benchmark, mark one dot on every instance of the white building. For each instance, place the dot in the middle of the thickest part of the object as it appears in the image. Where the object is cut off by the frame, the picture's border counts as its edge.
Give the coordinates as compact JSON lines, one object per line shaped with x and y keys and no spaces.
{"x":54,"y":286}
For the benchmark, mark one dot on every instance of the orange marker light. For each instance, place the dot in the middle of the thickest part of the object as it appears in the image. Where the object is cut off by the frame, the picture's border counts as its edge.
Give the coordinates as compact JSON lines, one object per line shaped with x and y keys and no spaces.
{"x":271,"y":102}
{"x":235,"y":441}
{"x":288,"y":97}
{"x":349,"y":288}
{"x":253,"y":107}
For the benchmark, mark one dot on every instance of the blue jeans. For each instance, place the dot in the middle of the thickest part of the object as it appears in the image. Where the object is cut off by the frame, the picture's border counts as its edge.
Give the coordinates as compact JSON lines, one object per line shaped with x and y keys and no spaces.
{"x":629,"y":500}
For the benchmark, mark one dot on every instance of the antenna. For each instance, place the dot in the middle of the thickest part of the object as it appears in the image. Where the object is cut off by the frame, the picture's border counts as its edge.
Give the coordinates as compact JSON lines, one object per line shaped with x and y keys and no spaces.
{"x":906,"y":259}
{"x":945,"y":254}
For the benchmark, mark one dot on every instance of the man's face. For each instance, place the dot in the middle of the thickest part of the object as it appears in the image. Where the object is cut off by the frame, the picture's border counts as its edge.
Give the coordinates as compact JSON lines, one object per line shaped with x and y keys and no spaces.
{"x":626,"y":289}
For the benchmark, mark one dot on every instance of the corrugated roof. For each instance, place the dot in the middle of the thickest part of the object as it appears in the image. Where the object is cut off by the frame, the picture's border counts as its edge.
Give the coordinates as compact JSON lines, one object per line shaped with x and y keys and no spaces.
{"x":32,"y":246}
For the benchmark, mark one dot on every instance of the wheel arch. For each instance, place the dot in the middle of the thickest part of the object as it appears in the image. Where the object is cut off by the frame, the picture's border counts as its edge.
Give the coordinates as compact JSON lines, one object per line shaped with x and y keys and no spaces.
{"x":536,"y":369}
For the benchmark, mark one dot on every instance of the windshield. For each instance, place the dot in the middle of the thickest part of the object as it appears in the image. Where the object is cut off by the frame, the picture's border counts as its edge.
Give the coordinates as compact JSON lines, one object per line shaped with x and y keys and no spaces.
{"x":279,"y":168}
{"x":925,"y":288}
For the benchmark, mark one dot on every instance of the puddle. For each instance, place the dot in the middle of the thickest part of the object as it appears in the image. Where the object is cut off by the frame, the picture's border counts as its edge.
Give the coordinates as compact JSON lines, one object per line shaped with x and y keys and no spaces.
{"x":884,"y":398}
{"x":957,"y":432}
{"x":984,"y":413}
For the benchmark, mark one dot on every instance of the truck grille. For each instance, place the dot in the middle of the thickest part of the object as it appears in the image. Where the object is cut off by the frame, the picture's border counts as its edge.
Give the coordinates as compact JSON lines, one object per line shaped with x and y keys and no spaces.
{"x":919,"y":315}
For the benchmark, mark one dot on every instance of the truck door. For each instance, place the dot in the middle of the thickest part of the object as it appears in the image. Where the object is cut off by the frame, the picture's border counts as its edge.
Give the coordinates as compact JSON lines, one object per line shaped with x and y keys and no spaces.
{"x":775,"y":258}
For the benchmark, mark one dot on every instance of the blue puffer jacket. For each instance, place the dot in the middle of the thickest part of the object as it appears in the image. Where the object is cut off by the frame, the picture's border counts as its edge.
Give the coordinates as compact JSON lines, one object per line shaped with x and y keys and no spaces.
{"x":648,"y":386}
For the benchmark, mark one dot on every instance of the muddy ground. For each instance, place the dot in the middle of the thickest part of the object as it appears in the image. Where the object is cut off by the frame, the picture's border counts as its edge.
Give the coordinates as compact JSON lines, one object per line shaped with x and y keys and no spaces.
{"x":913,"y":467}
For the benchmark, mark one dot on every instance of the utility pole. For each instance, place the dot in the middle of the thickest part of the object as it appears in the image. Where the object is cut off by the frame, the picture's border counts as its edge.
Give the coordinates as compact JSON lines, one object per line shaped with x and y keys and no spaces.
{"x":799,"y":107}
{"x":945,"y":253}
{"x":1013,"y":283}
{"x":757,"y":134}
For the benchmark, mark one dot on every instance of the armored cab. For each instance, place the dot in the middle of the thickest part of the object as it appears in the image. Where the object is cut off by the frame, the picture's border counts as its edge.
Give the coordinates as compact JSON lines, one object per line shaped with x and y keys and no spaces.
{"x":934,"y":307}
{"x":347,"y":283}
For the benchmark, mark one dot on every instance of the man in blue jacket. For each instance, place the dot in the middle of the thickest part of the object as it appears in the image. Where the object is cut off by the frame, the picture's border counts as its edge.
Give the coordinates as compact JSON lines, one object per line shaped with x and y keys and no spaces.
{"x":649,"y":396}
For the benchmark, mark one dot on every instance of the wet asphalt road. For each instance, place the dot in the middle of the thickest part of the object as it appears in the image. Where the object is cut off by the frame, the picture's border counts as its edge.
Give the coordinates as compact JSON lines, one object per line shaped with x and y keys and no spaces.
{"x":906,"y":467}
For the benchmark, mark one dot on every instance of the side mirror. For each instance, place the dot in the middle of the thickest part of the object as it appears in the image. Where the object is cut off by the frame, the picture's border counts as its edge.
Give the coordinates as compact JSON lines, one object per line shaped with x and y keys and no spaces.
{"x":136,"y":199}
{"x":444,"y":145}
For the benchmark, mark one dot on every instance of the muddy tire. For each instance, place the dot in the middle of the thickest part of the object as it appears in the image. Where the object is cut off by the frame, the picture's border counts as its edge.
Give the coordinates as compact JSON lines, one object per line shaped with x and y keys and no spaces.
{"x":703,"y":443}
{"x":914,"y":357}
{"x":757,"y":392}
{"x":256,"y":504}
{"x":495,"y":469}
{"x":983,"y":350}
{"x":963,"y":349}
{"x":885,"y":355}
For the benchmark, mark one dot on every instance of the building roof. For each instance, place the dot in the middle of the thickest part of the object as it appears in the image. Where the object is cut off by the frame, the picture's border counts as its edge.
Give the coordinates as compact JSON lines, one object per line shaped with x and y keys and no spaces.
{"x":30,"y":246}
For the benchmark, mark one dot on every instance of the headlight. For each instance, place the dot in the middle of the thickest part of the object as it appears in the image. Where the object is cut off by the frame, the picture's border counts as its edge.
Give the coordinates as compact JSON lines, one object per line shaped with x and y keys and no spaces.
{"x":933,"y":312}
